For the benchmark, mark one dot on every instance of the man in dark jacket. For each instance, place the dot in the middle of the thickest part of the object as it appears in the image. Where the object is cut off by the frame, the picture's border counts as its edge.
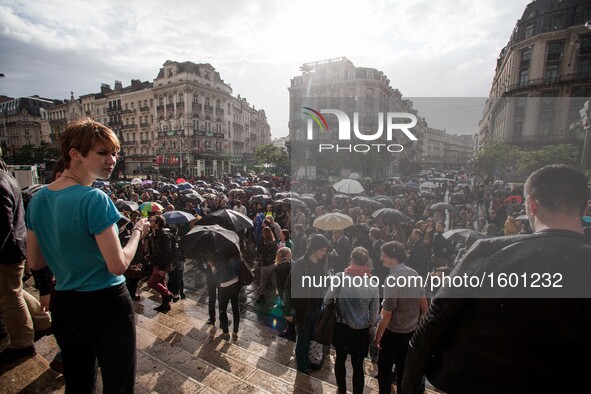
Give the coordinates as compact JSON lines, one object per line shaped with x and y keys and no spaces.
{"x":303,"y":297}
{"x":531,"y":333}
{"x":417,"y":256}
{"x":20,"y":321}
{"x":443,"y":249}
{"x":339,"y":257}
{"x":162,"y":263}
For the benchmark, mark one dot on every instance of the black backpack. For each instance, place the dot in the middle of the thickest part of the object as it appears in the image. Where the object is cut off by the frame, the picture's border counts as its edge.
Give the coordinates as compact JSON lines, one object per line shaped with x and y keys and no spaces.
{"x":168,"y":251}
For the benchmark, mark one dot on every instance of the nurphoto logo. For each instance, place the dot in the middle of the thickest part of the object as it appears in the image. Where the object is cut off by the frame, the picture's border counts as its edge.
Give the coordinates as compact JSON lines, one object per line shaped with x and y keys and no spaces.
{"x":344,"y":130}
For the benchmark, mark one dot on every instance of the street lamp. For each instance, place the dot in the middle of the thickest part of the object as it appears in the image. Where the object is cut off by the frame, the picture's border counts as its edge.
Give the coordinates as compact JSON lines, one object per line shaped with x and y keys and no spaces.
{"x":584,"y":112}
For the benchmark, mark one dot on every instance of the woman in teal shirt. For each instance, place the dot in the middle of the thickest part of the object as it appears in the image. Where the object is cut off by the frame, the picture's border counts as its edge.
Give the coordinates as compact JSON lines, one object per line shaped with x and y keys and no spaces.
{"x":71,"y":230}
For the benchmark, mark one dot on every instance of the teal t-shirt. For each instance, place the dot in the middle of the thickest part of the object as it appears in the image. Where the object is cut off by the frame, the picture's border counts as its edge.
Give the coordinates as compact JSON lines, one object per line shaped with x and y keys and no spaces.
{"x":65,"y":223}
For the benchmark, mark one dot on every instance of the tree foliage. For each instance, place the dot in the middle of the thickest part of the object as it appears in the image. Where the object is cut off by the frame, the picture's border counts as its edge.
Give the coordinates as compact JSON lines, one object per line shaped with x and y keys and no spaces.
{"x":271,"y":159}
{"x":30,"y":154}
{"x":551,"y":154}
{"x":499,"y":160}
{"x":496,"y":159}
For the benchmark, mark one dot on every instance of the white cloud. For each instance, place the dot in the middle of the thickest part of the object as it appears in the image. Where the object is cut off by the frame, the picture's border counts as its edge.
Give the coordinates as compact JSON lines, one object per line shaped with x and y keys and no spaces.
{"x":427,"y":48}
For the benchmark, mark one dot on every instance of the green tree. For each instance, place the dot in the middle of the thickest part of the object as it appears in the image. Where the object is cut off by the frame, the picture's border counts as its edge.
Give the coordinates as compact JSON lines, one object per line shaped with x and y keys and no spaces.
{"x":496,"y":159}
{"x":552,"y":154}
{"x":271,"y":159}
{"x":409,"y":167}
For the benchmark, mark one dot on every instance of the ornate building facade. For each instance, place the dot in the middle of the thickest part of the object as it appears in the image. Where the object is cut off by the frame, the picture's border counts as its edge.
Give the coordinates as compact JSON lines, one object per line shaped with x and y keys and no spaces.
{"x":542,"y":78}
{"x":20,"y":122}
{"x":185,"y":121}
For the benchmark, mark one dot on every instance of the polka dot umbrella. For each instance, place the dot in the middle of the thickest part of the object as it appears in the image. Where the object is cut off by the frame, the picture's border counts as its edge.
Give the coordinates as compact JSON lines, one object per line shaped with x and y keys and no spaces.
{"x":150,"y":207}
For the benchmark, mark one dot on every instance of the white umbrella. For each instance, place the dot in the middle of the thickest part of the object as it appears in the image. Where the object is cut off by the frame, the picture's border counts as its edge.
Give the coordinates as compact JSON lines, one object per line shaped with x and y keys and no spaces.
{"x":354,"y":175}
{"x":428,"y":185}
{"x":136,"y":181}
{"x":348,"y":186}
{"x":333,"y":221}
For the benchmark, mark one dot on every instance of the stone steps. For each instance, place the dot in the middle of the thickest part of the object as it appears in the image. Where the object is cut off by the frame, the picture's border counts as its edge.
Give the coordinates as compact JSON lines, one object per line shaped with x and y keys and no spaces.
{"x":179,"y":353}
{"x":260,"y":340}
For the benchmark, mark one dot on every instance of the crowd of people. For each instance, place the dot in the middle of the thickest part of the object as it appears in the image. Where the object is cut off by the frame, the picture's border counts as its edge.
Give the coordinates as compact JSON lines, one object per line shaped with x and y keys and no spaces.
{"x":93,"y":259}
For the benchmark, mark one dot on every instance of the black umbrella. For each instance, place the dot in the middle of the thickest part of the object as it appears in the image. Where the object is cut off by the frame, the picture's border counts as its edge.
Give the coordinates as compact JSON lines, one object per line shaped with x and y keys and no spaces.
{"x":126,"y":205}
{"x":309,"y":201}
{"x":340,"y":197}
{"x":193,"y":196}
{"x":169,"y":187}
{"x":390,"y":216}
{"x":213,"y":239}
{"x":260,"y":198}
{"x":257,"y":190}
{"x":294,"y":202}
{"x":442,"y":206}
{"x":282,"y":195}
{"x":384,"y":200}
{"x":464,"y":235}
{"x":153,"y":191}
{"x":229,"y":219}
{"x":367,"y":202}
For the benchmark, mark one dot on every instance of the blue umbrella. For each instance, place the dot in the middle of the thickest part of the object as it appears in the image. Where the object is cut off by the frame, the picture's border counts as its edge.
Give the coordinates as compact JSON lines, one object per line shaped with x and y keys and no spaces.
{"x":412,"y":185}
{"x":177,"y":217}
{"x":100,"y":183}
{"x":185,"y":186}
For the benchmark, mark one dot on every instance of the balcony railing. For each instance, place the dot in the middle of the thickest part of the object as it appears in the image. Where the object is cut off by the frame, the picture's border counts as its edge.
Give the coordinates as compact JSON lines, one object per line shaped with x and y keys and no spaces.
{"x":160,"y":108}
{"x":541,"y":82}
{"x":128,"y":111}
{"x":113,"y":109}
{"x":170,"y":106}
{"x":129,"y":126}
{"x":208,"y":108}
{"x":128,"y":143}
{"x":144,"y":125}
{"x":145,"y":142}
{"x":219,"y":111}
{"x":144,"y":109}
{"x":197,"y":107}
{"x":555,"y":137}
{"x":180,"y":104}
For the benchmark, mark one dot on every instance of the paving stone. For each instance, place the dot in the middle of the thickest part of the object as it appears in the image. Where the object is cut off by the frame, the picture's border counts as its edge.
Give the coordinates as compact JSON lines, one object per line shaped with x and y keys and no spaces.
{"x":158,"y":377}
{"x":30,"y":375}
{"x":228,"y":384}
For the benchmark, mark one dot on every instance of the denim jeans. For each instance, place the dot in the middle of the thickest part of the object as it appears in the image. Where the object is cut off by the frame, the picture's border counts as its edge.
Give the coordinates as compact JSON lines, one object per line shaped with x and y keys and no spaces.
{"x":96,"y":327}
{"x":303,"y":341}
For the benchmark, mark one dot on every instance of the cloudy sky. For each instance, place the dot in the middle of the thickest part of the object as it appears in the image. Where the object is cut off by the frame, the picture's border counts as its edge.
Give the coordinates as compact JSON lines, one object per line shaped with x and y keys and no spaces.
{"x":443,"y":48}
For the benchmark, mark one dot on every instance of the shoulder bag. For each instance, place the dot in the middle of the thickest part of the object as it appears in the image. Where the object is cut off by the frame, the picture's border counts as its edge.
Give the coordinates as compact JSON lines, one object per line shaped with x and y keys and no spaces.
{"x":325,"y":322}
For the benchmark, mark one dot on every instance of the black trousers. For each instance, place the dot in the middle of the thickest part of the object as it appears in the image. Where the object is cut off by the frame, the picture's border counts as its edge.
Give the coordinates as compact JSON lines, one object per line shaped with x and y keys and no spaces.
{"x":393,"y":351}
{"x":347,"y":340}
{"x":175,"y":283}
{"x":96,"y":327}
{"x":227,"y":294}
{"x":212,"y":293}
